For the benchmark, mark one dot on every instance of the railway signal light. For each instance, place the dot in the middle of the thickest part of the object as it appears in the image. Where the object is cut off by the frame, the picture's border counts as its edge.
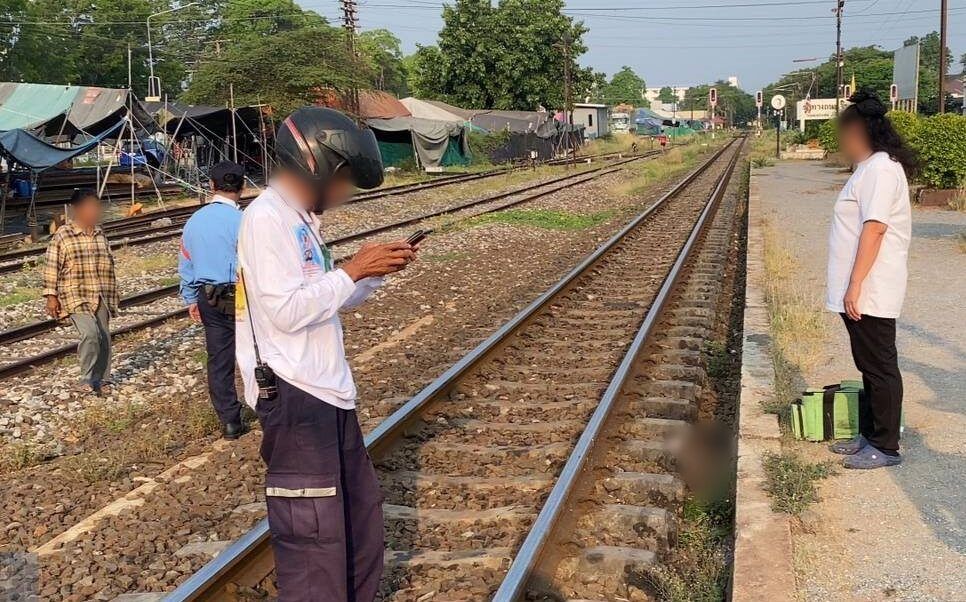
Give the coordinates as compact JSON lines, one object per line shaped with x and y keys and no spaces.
{"x":713,"y":97}
{"x":759,"y":98}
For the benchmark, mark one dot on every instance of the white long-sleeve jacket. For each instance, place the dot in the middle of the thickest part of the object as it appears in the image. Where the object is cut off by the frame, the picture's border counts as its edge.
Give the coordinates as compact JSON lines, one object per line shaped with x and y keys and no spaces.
{"x":293,"y":295}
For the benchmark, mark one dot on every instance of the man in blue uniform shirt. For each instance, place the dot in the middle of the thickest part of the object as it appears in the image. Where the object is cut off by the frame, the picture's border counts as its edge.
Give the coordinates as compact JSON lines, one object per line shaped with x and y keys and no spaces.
{"x":207,"y":266}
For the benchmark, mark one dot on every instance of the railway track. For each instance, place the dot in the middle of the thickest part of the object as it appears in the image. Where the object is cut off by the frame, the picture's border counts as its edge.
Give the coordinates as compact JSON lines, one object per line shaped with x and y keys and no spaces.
{"x":14,"y":360}
{"x":140,"y":229}
{"x":480,"y":465}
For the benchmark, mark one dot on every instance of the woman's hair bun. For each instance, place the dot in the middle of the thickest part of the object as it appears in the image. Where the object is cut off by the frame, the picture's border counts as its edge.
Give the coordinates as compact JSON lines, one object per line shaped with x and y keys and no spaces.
{"x":867,"y":103}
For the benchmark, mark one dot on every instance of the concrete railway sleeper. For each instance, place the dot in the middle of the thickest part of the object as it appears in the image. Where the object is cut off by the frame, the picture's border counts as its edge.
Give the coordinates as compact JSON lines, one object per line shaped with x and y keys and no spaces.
{"x":467,"y":462}
{"x":13,"y":360}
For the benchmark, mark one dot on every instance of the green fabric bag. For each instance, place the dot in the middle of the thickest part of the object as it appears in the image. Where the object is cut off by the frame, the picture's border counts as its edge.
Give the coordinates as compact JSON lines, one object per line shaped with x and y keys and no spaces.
{"x":828,"y":413}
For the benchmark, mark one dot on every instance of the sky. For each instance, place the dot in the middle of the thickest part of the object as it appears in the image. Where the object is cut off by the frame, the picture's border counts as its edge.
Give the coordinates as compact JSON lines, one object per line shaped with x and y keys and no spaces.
{"x":687,"y":42}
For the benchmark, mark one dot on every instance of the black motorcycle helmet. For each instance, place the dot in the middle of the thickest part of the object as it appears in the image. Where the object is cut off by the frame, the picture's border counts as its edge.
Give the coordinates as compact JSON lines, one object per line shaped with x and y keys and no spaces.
{"x":316,"y":142}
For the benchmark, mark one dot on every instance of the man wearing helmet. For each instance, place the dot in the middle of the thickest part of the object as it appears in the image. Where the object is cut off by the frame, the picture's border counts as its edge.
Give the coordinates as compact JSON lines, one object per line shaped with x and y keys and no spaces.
{"x":324,"y":502}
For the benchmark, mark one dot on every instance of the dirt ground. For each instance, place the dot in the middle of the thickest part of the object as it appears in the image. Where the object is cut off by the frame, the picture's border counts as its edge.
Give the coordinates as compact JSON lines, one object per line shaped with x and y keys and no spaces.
{"x":896,"y":533}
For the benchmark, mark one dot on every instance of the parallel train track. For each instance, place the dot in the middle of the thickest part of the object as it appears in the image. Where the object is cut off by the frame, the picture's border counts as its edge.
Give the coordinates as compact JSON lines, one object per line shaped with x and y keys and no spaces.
{"x":140,"y":229}
{"x":479,"y":467}
{"x":17,"y":364}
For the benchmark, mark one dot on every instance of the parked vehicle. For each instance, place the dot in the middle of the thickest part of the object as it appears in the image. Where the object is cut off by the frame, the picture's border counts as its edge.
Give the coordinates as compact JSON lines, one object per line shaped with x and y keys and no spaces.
{"x":145,"y":152}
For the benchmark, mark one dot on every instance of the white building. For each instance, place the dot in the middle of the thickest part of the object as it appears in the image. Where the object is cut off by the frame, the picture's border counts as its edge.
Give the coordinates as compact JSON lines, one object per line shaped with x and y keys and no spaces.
{"x":651,"y":94}
{"x":594,"y":118}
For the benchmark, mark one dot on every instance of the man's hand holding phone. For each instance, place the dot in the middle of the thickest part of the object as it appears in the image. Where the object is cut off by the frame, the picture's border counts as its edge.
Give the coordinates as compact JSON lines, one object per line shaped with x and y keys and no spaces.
{"x":374,"y":259}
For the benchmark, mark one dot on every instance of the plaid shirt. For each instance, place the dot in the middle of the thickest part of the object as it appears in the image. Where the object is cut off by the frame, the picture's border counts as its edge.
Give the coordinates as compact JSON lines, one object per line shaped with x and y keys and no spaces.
{"x":79,"y":270}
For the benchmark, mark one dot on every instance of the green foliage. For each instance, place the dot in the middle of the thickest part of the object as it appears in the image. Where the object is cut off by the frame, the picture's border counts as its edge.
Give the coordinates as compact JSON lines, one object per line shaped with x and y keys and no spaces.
{"x":625,"y":87}
{"x":734,"y":104}
{"x":383,"y":53}
{"x":907,"y":125}
{"x":943,"y":150}
{"x":486,"y":53}
{"x":828,"y":136}
{"x":666,"y":95}
{"x":790,"y":480}
{"x":482,"y":145}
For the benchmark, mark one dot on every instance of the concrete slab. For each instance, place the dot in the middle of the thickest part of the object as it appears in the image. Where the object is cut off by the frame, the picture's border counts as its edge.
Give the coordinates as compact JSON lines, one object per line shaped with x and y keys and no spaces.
{"x":897,"y":533}
{"x":763,"y":545}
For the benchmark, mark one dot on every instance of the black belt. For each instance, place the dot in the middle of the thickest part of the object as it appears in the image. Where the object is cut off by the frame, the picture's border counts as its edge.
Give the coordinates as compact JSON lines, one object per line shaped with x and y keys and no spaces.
{"x":221,"y":297}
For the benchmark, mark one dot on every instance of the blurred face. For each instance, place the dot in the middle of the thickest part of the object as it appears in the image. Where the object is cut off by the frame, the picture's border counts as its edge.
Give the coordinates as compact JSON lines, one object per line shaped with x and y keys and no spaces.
{"x":88,"y":211}
{"x":854,"y":141}
{"x":337,"y":191}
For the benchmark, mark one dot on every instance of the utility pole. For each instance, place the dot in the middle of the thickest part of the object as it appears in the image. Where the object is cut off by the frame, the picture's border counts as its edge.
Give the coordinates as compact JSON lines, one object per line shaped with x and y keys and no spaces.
{"x":943,"y":24}
{"x":840,"y":7}
{"x":350,"y":22}
{"x":566,"y":41}
{"x":231,"y":104}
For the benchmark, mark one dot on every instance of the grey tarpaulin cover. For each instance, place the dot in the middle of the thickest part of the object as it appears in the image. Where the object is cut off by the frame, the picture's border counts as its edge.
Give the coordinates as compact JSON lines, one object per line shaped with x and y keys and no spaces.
{"x":22,"y":147}
{"x":430,"y":137}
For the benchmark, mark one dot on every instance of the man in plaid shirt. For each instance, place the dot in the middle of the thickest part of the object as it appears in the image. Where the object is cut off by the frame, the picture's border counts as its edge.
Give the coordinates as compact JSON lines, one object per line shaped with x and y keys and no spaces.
{"x":79,"y":283}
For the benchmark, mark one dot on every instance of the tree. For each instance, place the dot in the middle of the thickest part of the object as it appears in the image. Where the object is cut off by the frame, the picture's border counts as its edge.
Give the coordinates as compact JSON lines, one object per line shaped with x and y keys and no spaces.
{"x":383,"y":53}
{"x":667,"y":95}
{"x":929,"y":71}
{"x":625,"y":87}
{"x":509,"y":56}
{"x":735,"y":105}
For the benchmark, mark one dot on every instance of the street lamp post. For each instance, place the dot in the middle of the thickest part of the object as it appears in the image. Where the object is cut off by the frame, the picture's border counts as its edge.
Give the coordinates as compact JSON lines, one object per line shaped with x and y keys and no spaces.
{"x":154,"y":87}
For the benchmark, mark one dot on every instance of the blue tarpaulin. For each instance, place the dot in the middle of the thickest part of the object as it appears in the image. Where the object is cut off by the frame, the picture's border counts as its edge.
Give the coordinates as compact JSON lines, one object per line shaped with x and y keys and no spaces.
{"x":23,"y":148}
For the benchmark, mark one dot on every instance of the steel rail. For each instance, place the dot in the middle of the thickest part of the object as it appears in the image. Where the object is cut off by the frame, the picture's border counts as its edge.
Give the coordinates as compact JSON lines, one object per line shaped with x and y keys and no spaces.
{"x":248,"y":559}
{"x":41,"y":326}
{"x":512,"y":586}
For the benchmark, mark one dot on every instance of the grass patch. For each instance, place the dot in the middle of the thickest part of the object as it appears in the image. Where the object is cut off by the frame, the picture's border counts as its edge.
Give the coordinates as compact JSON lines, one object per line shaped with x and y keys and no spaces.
{"x":959,"y":203}
{"x":129,"y":263}
{"x":961,"y":241}
{"x":200,"y":356}
{"x":696,"y":569}
{"x":105,"y":417}
{"x":643,"y":174}
{"x":19,"y":295}
{"x":761,"y":162}
{"x":20,"y":455}
{"x":547,"y":219}
{"x":797,"y":322}
{"x":718,"y":363}
{"x":790,"y":481}
{"x":202,"y":420}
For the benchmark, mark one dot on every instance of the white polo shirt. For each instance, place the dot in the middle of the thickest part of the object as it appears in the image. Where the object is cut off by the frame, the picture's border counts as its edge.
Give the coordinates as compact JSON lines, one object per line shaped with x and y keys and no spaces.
{"x":294,"y":295}
{"x":877,"y":191}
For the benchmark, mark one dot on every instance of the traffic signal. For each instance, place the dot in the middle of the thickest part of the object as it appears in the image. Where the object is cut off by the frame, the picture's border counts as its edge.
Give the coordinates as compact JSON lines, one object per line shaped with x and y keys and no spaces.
{"x":759,"y":98}
{"x":713,"y":97}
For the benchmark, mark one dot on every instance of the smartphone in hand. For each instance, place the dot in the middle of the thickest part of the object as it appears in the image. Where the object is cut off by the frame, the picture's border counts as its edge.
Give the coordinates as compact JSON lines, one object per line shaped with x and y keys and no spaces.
{"x":417,"y":237}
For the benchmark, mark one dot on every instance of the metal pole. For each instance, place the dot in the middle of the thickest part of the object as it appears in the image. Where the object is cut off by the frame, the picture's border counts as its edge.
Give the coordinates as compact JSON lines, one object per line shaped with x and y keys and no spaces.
{"x":234,"y":129}
{"x":567,"y":109}
{"x":944,"y":18}
{"x":838,"y":55}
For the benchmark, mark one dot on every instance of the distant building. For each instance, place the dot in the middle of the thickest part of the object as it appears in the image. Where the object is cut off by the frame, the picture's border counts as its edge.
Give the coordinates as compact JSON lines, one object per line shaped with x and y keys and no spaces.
{"x":594,"y":117}
{"x":651,"y":94}
{"x":733,"y":81}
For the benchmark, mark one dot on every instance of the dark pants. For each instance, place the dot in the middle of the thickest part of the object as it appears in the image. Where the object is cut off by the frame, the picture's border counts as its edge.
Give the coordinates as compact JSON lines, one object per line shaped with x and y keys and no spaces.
{"x":324,"y":502}
{"x":220,"y":345}
{"x":874,"y":352}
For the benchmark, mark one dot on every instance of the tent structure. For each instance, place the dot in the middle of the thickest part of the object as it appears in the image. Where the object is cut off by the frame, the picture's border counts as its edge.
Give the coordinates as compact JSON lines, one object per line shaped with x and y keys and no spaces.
{"x":423,"y":109}
{"x":54,"y":110}
{"x":20,"y":147}
{"x":431,"y":142}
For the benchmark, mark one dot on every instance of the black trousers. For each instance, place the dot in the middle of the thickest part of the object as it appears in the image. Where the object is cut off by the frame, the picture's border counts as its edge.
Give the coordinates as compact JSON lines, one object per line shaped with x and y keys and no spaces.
{"x":874,"y":352}
{"x":323,"y":498}
{"x":220,"y":345}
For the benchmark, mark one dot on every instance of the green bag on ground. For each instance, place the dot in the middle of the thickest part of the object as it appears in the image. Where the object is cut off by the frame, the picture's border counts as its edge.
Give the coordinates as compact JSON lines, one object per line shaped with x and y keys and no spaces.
{"x":828,"y":413}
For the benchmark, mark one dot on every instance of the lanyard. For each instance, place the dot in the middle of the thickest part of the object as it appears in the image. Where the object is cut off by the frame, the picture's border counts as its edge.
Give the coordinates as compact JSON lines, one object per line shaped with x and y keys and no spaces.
{"x":326,"y":255}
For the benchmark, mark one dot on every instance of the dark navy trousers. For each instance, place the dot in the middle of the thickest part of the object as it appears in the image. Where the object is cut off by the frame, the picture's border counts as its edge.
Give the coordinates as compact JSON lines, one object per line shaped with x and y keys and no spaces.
{"x":220,"y":345}
{"x":324,"y":501}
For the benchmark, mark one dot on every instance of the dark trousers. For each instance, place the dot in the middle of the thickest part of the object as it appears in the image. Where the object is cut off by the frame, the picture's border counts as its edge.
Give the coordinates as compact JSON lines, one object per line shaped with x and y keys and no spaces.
{"x":220,"y":345}
{"x":874,"y":352}
{"x":324,"y":501}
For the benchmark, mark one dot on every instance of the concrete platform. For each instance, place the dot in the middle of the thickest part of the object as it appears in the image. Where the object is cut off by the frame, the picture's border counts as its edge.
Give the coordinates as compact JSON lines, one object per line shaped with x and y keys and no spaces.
{"x":897,"y":533}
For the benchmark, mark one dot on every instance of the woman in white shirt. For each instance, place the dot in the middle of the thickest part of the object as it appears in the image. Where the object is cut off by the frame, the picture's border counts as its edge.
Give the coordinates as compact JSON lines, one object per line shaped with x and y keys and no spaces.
{"x":868,"y":252}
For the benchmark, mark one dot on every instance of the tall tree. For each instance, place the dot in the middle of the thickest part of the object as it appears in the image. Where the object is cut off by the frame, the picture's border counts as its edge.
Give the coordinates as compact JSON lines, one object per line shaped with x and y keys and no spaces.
{"x":509,"y":56}
{"x":667,"y":95}
{"x":735,"y":105}
{"x":625,"y":87}
{"x":383,"y":53}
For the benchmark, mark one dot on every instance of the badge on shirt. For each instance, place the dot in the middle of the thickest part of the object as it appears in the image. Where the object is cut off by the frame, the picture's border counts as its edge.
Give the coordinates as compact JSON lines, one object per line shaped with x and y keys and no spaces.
{"x":314,"y":261}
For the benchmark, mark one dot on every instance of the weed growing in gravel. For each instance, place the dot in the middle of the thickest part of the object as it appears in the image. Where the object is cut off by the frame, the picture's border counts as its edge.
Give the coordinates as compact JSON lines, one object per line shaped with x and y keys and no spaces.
{"x":202,"y":420}
{"x":17,"y":456}
{"x":547,"y":219}
{"x":200,"y":356}
{"x":761,"y":162}
{"x":108,"y":417}
{"x":696,"y":570}
{"x":962,"y":242}
{"x":19,"y":295}
{"x":445,"y":257}
{"x":130,"y":263}
{"x":797,"y":322}
{"x":790,"y":480}
{"x":718,"y":363}
{"x":92,"y":468}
